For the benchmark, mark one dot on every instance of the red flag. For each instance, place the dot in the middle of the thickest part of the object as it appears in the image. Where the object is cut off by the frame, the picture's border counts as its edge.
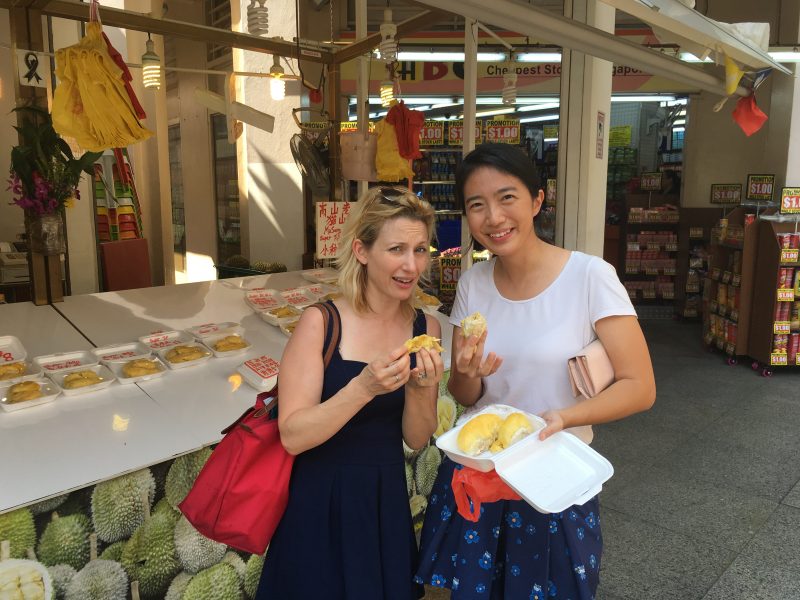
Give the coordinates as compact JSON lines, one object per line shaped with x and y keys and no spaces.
{"x":747,"y":114}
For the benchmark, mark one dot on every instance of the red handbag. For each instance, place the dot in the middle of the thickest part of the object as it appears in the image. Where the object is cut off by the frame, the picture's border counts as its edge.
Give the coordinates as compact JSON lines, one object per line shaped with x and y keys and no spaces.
{"x":241,"y":493}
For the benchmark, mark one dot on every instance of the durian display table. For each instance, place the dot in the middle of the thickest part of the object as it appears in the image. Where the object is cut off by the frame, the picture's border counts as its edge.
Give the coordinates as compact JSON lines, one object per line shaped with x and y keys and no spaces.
{"x":78,"y":440}
{"x":204,"y":399}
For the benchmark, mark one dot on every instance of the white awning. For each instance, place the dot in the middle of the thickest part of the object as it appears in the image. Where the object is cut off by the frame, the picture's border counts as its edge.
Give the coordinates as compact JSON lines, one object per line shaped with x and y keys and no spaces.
{"x":696,"y":33}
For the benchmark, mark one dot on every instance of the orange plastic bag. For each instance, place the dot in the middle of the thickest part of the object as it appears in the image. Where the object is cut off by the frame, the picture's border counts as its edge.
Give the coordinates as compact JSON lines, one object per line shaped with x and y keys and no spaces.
{"x":471,"y":485}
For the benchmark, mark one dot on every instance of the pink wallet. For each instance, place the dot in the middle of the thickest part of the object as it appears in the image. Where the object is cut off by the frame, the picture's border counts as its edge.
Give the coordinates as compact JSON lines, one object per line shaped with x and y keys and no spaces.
{"x":591,"y":371}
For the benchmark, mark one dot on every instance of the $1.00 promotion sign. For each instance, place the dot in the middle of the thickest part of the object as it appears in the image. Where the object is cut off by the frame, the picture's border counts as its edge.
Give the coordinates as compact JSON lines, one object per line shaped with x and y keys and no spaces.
{"x":790,"y":201}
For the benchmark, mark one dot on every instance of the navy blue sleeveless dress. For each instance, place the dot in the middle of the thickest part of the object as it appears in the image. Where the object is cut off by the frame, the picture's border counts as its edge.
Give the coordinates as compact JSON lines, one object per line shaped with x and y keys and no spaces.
{"x":347,"y":532}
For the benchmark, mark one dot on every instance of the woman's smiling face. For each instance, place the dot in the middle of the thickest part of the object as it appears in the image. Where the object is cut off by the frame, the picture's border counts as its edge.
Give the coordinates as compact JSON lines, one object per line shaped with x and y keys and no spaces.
{"x":398,"y":258}
{"x":500,"y":210}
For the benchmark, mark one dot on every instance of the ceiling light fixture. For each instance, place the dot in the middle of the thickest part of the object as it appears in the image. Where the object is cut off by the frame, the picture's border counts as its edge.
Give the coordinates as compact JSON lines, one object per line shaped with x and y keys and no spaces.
{"x":277,"y":84}
{"x":151,"y":66}
{"x":388,"y":46}
{"x":553,"y":117}
{"x":509,"y":93}
{"x":539,"y":57}
{"x":387,"y":93}
{"x":785,"y":55}
{"x":257,"y":18}
{"x":434,"y":56}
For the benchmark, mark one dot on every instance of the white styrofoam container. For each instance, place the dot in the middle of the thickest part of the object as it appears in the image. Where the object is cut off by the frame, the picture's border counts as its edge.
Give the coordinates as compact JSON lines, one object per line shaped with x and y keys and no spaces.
{"x":214,"y":329}
{"x":191,"y":363}
{"x":270,"y":318}
{"x":32,"y":371}
{"x":49,"y":392}
{"x":551,"y":475}
{"x":264,"y":299}
{"x":260,"y":372}
{"x":209,"y":342}
{"x":287,"y":326}
{"x":117,"y":366}
{"x":299,"y":297}
{"x":102,"y":371}
{"x":166,"y":339}
{"x":121,"y":353}
{"x":330,"y":276}
{"x":11,"y":349}
{"x":53,"y":363}
{"x":321,"y":289}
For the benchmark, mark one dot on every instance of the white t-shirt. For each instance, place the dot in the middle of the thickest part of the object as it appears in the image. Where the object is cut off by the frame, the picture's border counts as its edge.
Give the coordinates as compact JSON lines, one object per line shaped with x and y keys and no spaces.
{"x":536,"y":337}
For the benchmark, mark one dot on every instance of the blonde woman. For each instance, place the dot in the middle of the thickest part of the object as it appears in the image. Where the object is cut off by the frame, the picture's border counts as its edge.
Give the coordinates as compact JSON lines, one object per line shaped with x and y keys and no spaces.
{"x":347,"y":530}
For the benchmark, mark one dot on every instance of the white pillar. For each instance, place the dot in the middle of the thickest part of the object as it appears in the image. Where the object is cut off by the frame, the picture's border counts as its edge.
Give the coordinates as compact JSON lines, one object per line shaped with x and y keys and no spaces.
{"x":583,"y":137}
{"x":270,"y":186}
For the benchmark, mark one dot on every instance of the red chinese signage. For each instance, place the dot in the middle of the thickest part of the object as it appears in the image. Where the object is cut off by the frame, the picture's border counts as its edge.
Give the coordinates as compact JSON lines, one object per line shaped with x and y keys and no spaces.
{"x":331,"y":218}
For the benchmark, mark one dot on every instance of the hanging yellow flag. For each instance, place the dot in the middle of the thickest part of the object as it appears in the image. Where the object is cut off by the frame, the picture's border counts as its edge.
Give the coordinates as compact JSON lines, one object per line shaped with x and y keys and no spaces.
{"x":733,"y":75}
{"x":90,"y":102}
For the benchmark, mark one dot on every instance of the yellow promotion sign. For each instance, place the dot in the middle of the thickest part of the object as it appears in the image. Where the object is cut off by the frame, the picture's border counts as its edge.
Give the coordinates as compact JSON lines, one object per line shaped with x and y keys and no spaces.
{"x":455,"y":132}
{"x":353,"y":126}
{"x":619,"y":136}
{"x":432,"y":133}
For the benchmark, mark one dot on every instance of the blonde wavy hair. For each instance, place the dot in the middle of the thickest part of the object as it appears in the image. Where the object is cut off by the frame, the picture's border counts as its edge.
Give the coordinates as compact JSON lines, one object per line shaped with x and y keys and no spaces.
{"x":376,"y":207}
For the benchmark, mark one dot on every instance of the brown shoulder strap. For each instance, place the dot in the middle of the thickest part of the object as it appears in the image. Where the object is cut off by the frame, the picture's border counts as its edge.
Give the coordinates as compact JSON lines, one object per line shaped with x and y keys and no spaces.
{"x":332,"y":327}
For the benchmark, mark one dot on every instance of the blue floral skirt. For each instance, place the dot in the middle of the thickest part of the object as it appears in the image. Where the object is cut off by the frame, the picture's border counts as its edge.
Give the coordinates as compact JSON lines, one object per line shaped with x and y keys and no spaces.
{"x":512,"y":552}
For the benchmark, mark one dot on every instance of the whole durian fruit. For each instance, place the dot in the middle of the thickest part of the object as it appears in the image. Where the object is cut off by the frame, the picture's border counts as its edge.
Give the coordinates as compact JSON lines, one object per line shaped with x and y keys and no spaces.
{"x":46,"y":506}
{"x":220,"y":582}
{"x":236,"y":562}
{"x":427,"y":466}
{"x":18,"y":528}
{"x":276,"y":267}
{"x":114,"y":551}
{"x":409,"y":478}
{"x":238,"y":261}
{"x":61,"y":576}
{"x":65,"y":541}
{"x":149,"y":556}
{"x":182,"y":474}
{"x":195,"y":551}
{"x":252,"y":575}
{"x":259,"y":265}
{"x":163,"y":507}
{"x":178,"y":586}
{"x":119,"y":505}
{"x":99,"y":580}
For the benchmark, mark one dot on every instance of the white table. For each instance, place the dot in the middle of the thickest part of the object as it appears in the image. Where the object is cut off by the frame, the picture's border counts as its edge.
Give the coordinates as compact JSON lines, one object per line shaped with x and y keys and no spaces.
{"x":78,"y":440}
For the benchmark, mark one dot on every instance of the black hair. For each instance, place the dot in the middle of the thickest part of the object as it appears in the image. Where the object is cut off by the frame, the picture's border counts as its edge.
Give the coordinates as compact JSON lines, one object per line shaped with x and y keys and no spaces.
{"x":503,"y":157}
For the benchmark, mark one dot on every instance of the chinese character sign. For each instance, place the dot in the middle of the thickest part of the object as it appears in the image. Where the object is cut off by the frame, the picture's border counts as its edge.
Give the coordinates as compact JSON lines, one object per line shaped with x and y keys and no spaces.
{"x":331,"y":218}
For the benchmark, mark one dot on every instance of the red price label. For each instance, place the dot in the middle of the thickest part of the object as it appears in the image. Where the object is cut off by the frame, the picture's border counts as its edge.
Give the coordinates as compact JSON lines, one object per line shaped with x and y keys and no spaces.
{"x":779,"y":360}
{"x":650,"y":182}
{"x":432,"y":133}
{"x":455,"y":132}
{"x":790,"y":200}
{"x":781,"y":327}
{"x":790,"y":255}
{"x":505,"y":131}
{"x":760,"y":187}
{"x":695,"y":232}
{"x":726,"y":193}
{"x":786,"y":295}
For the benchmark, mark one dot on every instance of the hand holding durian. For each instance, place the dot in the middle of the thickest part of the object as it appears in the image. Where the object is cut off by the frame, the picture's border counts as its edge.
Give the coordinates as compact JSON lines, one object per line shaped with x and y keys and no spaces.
{"x":491,"y":432}
{"x":469,"y":349}
{"x":388,"y":373}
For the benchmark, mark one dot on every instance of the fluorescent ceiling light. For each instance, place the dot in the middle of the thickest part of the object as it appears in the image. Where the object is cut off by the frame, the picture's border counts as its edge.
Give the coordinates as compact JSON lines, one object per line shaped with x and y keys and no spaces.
{"x":785,"y":55}
{"x":679,"y":122}
{"x":678,"y":129}
{"x":445,"y":105}
{"x":539,"y":57}
{"x":492,"y":113}
{"x":691,"y":58}
{"x":434,"y":56}
{"x":651,"y":98}
{"x":531,"y":107}
{"x":539,"y":119}
{"x":550,"y":139}
{"x":678,"y":101}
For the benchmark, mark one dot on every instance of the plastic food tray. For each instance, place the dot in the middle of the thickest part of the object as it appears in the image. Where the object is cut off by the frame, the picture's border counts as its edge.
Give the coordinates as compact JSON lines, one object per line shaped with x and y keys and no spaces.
{"x":321,"y":289}
{"x":264,"y":299}
{"x":102,"y":371}
{"x":49,"y":392}
{"x":214,"y":329}
{"x":32,"y":371}
{"x":274,"y":320}
{"x":166,"y":339}
{"x":260,"y":372}
{"x":53,"y":363}
{"x":190,"y":363}
{"x":213,"y":339}
{"x":116,"y":369}
{"x":114,"y":353}
{"x":330,"y":276}
{"x":550,"y":475}
{"x":11,"y":349}
{"x":287,"y":326}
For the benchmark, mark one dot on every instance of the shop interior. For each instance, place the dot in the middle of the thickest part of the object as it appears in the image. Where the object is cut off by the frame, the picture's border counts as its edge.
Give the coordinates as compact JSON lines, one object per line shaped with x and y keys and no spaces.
{"x":627,"y":115}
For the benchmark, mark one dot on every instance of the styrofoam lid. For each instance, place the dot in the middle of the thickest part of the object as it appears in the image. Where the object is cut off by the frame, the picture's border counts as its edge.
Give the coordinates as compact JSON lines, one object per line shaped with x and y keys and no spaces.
{"x":122,"y":352}
{"x":299,"y":297}
{"x":165,"y":339}
{"x":11,"y":349}
{"x":554,"y":474}
{"x":260,"y":372}
{"x":264,"y":299}
{"x":208,"y":329}
{"x":53,"y":363}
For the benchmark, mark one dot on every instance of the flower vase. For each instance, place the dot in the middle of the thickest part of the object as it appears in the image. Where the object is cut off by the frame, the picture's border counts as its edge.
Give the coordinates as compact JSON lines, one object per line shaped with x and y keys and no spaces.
{"x":46,"y":234}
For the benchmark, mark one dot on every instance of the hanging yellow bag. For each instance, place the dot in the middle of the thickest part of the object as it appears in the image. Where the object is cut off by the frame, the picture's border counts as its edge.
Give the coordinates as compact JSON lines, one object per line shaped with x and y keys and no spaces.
{"x":91,"y":103}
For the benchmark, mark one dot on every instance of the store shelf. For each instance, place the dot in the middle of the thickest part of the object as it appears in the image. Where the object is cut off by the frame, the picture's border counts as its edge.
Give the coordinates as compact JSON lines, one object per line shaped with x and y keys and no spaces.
{"x":436,"y":182}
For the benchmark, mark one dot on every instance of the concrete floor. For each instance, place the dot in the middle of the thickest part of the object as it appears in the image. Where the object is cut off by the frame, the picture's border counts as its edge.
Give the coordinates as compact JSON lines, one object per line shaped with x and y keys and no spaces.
{"x":705,"y":500}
